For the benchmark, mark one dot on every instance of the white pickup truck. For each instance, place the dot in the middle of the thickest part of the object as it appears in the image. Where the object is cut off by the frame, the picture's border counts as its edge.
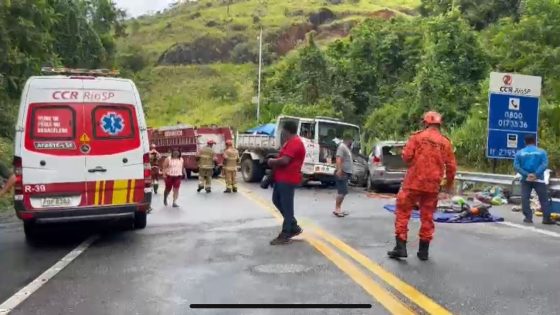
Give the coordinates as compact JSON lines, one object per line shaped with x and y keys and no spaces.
{"x":320,"y":135}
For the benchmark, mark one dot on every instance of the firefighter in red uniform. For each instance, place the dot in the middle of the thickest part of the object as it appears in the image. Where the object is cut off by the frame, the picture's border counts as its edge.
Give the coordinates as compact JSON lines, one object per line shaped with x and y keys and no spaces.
{"x":429,"y":156}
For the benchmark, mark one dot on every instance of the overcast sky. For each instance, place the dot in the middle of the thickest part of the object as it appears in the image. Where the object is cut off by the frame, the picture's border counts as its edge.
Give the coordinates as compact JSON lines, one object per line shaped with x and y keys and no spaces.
{"x":138,"y":7}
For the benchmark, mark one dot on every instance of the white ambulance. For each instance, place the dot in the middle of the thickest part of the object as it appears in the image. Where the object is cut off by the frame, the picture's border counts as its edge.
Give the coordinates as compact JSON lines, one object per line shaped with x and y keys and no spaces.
{"x":81,"y":150}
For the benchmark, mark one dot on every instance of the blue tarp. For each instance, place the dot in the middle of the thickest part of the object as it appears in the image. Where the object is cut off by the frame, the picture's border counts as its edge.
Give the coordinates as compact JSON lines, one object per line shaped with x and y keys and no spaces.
{"x":448,"y":217}
{"x":267,"y":129}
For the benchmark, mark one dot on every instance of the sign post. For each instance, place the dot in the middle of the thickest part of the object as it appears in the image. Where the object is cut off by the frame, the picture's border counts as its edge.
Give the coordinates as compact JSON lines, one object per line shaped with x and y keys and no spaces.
{"x":513,"y":113}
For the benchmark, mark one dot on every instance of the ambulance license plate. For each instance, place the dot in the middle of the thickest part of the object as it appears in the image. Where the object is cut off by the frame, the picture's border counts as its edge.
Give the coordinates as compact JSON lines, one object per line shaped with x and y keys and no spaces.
{"x":52,"y":202}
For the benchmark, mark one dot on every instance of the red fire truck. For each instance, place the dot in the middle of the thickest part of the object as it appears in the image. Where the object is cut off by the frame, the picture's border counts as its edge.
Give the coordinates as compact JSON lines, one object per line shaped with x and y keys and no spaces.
{"x":190,"y":140}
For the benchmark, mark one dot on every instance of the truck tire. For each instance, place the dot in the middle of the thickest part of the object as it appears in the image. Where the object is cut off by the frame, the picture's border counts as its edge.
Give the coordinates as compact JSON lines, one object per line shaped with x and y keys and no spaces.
{"x":140,"y":220}
{"x":251,"y":170}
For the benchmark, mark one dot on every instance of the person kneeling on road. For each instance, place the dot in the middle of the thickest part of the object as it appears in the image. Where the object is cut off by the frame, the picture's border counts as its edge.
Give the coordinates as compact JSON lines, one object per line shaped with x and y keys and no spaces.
{"x":344,"y":165}
{"x":429,"y":155}
{"x":206,"y":167}
{"x":286,"y":171}
{"x":531,"y":162}
{"x":230,"y":167}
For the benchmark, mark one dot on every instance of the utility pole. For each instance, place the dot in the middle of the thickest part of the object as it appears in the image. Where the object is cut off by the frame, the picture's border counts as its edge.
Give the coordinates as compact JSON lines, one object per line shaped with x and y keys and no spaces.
{"x":259,"y":83}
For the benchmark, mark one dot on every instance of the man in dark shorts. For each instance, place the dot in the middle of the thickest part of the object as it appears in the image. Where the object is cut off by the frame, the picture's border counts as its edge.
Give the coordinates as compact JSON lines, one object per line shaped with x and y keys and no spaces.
{"x":287,"y":176}
{"x":343,"y":173}
{"x":154,"y":162}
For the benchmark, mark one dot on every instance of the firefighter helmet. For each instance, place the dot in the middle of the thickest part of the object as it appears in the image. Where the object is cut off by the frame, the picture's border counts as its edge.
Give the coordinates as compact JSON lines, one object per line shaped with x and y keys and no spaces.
{"x":229,"y":143}
{"x":432,"y":118}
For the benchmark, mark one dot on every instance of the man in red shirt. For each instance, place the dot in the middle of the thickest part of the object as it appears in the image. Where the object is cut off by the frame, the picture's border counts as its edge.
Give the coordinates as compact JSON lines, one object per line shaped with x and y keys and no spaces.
{"x":287,"y":176}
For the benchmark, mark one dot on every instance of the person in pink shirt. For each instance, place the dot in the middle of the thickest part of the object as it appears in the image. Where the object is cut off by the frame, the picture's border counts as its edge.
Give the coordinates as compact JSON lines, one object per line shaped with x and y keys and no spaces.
{"x":173,"y":173}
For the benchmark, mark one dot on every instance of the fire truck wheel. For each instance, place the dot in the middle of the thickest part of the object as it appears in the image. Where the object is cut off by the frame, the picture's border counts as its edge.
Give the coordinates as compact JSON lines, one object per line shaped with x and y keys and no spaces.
{"x":140,"y":220}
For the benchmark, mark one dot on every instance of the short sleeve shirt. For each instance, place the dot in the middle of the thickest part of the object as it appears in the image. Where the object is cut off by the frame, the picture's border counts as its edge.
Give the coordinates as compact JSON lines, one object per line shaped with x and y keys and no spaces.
{"x":291,"y":173}
{"x":345,"y":154}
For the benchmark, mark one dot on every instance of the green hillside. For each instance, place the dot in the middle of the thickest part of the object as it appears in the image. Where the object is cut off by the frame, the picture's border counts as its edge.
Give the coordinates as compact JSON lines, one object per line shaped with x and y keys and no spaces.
{"x":211,"y":18}
{"x":199,"y":59}
{"x":197,"y":94}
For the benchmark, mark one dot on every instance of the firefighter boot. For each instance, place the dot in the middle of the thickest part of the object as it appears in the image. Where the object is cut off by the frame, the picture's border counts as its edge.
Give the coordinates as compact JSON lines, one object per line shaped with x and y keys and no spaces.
{"x":400,"y":249}
{"x":423,"y":250}
{"x":227,"y":191}
{"x":155,"y":188}
{"x":208,"y":190}
{"x":200,"y":188}
{"x":234,"y":189}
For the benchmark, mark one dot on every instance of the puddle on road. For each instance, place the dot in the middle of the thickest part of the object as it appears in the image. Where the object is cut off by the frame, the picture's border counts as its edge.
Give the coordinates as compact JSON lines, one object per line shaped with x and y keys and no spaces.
{"x":281,"y":268}
{"x":253,"y":224}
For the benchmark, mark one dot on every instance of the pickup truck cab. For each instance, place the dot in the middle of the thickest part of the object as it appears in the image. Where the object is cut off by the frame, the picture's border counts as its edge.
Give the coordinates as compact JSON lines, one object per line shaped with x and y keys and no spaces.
{"x":320,"y":135}
{"x":81,"y":150}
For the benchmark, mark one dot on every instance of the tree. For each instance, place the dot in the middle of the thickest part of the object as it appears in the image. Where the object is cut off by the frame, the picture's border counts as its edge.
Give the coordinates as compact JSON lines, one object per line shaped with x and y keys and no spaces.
{"x":312,"y":73}
{"x":479,"y":13}
{"x":452,"y":66}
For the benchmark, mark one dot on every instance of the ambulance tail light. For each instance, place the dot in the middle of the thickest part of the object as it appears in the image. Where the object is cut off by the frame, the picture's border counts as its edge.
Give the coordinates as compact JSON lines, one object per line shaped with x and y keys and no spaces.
{"x":375,"y":160}
{"x":147,"y":170}
{"x":18,"y":172}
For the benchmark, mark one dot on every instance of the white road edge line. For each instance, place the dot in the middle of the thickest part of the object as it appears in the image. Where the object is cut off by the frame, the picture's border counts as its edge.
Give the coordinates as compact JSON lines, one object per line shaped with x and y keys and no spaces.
{"x":529,"y":228}
{"x":7,"y":306}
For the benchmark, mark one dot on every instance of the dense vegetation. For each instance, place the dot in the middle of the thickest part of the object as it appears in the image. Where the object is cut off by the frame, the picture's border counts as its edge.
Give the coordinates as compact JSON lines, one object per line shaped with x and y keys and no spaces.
{"x":385,"y":74}
{"x":206,"y":51}
{"x":376,"y":63}
{"x":37,"y":33}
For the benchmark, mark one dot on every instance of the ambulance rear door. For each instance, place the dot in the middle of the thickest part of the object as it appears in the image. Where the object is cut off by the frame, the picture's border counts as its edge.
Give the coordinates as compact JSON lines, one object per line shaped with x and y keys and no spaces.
{"x":115,"y":161}
{"x":52,"y":164}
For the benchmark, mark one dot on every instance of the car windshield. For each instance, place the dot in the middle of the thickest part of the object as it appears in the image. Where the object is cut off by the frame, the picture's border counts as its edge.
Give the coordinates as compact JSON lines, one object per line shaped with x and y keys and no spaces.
{"x":331,"y":134}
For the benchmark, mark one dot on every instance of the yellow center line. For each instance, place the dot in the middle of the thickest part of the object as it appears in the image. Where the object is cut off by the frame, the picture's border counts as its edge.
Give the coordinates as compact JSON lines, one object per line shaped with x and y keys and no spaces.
{"x":404,"y":288}
{"x":420,"y":299}
{"x":389,"y":301}
{"x":384,"y":297}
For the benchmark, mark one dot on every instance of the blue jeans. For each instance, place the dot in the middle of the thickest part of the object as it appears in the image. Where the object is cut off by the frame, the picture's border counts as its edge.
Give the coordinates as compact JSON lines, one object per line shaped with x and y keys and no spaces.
{"x":542,"y":192}
{"x":283,"y":199}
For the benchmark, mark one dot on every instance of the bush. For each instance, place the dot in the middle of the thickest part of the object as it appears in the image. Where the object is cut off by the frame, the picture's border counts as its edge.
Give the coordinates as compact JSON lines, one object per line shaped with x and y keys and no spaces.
{"x":386,"y":123}
{"x":212,"y":23}
{"x":133,"y":59}
{"x":224,"y":91}
{"x":245,"y":52}
{"x":238,"y":27}
{"x":321,"y":109}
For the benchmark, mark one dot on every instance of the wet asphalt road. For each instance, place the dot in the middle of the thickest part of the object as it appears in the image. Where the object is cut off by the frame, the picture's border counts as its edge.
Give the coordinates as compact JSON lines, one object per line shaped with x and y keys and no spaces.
{"x":214,"y":249}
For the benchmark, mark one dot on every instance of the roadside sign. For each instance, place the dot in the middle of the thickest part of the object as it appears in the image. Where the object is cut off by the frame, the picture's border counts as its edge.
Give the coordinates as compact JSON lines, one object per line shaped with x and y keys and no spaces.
{"x":513,"y":113}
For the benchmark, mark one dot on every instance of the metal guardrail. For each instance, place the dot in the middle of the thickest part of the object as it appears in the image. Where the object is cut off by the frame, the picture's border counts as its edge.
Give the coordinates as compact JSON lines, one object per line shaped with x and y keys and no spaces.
{"x":498,"y":179}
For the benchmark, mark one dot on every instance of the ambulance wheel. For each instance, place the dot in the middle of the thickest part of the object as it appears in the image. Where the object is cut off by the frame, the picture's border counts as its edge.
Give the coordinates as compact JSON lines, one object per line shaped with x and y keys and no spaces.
{"x":30,"y":230}
{"x":140,"y":220}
